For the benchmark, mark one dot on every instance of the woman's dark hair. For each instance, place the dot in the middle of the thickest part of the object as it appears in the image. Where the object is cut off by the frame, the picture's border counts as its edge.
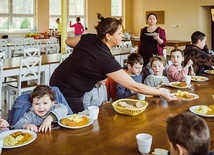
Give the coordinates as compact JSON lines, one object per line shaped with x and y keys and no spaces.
{"x":42,"y":90}
{"x":151,"y":14}
{"x":78,"y":19}
{"x":197,"y":35}
{"x":107,"y":25}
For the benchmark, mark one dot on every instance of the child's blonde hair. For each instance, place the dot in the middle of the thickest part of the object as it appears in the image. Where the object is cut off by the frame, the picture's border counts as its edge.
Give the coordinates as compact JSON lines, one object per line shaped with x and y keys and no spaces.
{"x":158,"y":58}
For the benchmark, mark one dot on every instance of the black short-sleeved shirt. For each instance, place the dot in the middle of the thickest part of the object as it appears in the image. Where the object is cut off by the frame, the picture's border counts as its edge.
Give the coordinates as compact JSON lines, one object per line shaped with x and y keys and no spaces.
{"x":89,"y":63}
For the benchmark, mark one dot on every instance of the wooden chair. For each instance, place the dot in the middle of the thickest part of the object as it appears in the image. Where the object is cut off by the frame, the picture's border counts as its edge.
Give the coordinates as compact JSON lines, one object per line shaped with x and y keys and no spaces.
{"x":33,"y":51}
{"x":28,"y":79}
{"x":111,"y":89}
{"x":3,"y":48}
{"x":51,"y":46}
{"x":1,"y":80}
{"x":19,"y":45}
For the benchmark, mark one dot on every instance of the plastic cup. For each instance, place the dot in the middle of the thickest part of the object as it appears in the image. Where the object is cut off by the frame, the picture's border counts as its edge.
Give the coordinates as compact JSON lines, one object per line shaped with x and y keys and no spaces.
{"x":141,"y":96}
{"x":93,"y":112}
{"x":187,"y":79}
{"x":144,"y":142}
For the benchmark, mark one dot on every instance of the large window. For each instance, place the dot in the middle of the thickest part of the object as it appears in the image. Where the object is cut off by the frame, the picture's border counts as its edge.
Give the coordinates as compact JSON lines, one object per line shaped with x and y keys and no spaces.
{"x":17,"y":15}
{"x":76,"y":8}
{"x":116,"y":8}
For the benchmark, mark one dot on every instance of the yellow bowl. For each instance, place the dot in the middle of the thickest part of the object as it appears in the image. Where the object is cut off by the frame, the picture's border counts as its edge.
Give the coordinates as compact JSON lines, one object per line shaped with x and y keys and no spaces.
{"x":129,"y":111}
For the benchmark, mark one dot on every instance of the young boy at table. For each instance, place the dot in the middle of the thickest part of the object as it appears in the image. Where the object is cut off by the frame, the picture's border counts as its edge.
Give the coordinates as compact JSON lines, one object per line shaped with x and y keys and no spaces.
{"x":158,"y":64}
{"x":134,"y":68}
{"x":96,"y":96}
{"x":188,"y":134}
{"x":176,"y":71}
{"x":43,"y":112}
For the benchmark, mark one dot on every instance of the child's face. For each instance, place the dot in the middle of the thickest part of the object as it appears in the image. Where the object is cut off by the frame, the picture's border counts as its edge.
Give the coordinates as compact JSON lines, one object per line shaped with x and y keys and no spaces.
{"x":202,"y":43}
{"x":177,"y":58}
{"x":135,"y":69}
{"x":158,"y":68}
{"x":42,"y":106}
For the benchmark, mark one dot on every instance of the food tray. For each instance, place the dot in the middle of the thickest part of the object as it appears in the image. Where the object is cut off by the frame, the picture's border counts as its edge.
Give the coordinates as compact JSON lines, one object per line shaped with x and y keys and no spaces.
{"x":129,"y":111}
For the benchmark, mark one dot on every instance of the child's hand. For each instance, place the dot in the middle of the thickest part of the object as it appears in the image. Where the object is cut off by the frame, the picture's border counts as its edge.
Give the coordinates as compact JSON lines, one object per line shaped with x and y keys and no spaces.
{"x":46,"y":125}
{"x":31,"y":127}
{"x":3,"y":123}
{"x":189,"y":63}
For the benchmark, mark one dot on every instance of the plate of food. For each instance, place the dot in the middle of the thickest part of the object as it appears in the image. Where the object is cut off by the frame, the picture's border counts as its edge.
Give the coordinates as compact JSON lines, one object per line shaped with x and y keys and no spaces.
{"x":151,"y":34}
{"x":179,"y":85}
{"x":75,"y":121}
{"x":17,"y":138}
{"x":185,"y":96}
{"x":203,"y":110}
{"x":209,"y":71}
{"x":199,"y":78}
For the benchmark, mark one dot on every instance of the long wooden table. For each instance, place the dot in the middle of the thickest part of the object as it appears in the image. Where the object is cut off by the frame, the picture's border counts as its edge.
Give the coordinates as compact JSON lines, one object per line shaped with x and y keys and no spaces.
{"x":114,"y":134}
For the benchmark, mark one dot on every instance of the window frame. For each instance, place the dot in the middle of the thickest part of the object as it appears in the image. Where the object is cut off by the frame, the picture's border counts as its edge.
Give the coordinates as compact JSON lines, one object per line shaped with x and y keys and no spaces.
{"x":10,"y":15}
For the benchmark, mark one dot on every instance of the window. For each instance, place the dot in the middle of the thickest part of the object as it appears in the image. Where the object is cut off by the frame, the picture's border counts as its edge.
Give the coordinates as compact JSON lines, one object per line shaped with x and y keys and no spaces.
{"x":17,"y":15}
{"x":116,"y":8}
{"x":54,"y":12}
{"x":76,"y":8}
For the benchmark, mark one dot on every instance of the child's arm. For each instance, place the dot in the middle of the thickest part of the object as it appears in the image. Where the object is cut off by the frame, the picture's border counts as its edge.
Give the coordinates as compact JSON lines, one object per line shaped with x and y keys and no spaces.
{"x":31,"y":127}
{"x":46,"y":125}
{"x":175,"y":74}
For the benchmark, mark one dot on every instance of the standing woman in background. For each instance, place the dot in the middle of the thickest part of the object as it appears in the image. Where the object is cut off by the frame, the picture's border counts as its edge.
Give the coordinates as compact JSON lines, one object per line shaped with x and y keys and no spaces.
{"x":78,"y":27}
{"x":151,"y":45}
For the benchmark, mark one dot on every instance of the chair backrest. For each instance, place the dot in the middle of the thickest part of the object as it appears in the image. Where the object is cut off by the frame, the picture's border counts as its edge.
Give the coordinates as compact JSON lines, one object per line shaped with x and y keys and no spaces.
{"x":3,"y":48}
{"x":22,"y":104}
{"x":29,"y":70}
{"x":19,"y":45}
{"x":69,"y":49}
{"x":1,"y":80}
{"x":33,"y":51}
{"x":111,"y":89}
{"x":51,"y":46}
{"x":64,"y":56}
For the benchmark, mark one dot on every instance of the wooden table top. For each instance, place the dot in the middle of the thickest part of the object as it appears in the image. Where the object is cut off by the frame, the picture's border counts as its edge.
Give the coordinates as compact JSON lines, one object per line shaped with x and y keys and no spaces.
{"x":114,"y":134}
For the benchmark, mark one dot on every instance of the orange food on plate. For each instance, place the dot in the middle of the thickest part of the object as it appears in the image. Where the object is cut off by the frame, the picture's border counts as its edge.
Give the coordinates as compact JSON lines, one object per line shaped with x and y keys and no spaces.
{"x":75,"y":120}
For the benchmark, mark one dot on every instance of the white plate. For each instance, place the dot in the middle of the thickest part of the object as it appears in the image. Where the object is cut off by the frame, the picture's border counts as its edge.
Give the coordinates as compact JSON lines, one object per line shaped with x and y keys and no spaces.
{"x":151,"y":34}
{"x":194,"y":108}
{"x":171,"y":84}
{"x":199,"y":78}
{"x":208,"y":72}
{"x":6,"y":133}
{"x":159,"y":151}
{"x":188,"y":99}
{"x":77,"y":127}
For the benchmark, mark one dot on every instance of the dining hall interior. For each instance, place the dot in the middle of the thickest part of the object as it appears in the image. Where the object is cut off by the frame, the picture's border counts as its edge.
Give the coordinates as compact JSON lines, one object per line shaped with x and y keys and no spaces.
{"x":114,"y":131}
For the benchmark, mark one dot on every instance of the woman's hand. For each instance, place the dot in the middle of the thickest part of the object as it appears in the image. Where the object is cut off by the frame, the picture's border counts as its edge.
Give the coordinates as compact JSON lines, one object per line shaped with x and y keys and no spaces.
{"x":169,"y":97}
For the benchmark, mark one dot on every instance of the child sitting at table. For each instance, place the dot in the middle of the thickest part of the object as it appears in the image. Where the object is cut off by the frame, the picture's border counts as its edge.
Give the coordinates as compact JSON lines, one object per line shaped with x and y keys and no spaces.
{"x":158,"y":64}
{"x":176,"y":71}
{"x":96,"y":96}
{"x":134,"y":68}
{"x":188,"y":134}
{"x":43,"y":112}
